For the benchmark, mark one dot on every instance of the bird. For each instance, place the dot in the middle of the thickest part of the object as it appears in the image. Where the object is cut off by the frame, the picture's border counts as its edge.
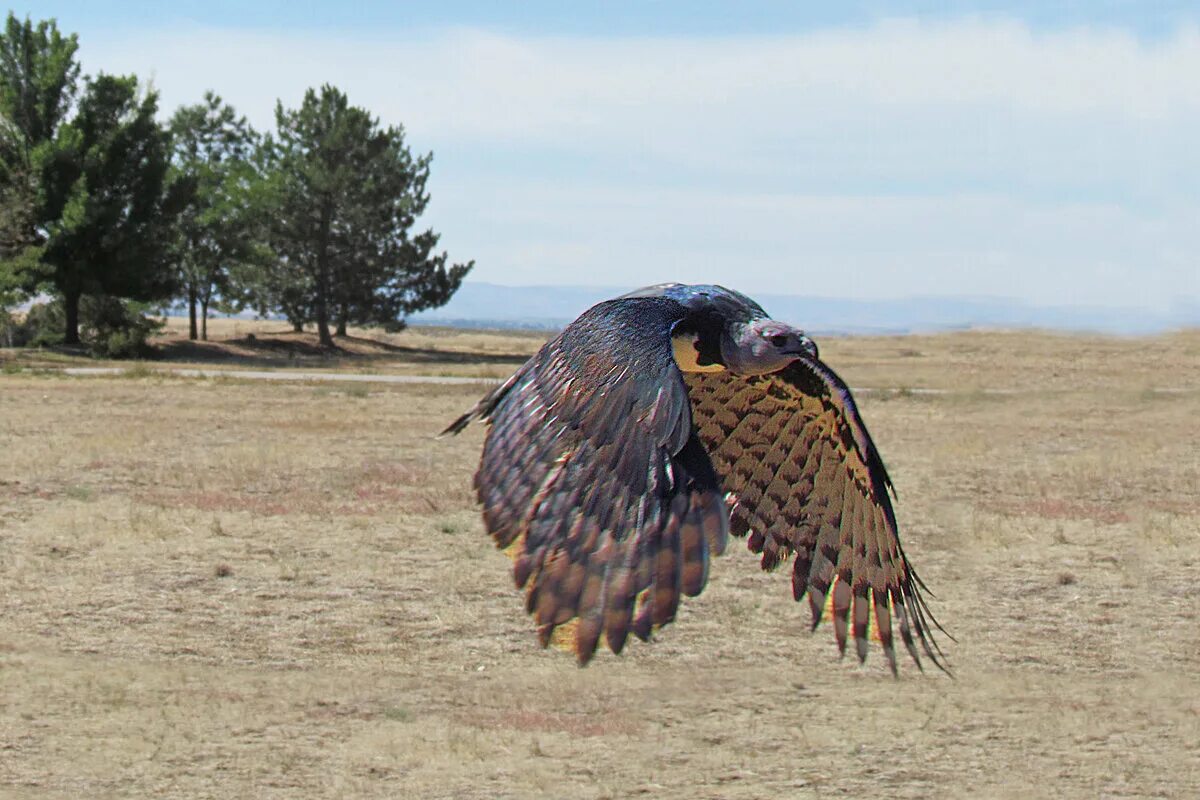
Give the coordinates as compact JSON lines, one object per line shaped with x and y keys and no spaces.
{"x":621,"y":456}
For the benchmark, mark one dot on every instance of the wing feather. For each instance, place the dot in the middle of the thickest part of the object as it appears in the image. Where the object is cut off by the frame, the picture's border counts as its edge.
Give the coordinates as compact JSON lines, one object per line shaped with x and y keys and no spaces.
{"x":594,"y":480}
{"x":806,"y":481}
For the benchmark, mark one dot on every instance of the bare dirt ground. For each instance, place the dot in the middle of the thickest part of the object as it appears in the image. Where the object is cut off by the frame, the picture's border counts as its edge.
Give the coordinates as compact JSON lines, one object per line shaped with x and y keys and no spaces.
{"x":224,"y":588}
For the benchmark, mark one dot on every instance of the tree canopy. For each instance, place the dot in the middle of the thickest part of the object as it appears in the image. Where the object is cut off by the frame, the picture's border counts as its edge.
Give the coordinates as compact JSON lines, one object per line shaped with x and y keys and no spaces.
{"x":38,"y":77}
{"x":104,"y":196}
{"x":345,"y":194}
{"x":39,"y":74}
{"x":218,"y":228}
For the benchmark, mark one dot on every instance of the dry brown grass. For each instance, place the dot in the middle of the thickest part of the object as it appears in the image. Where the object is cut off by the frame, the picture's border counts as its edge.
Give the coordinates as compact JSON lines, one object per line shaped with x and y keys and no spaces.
{"x":225,"y":588}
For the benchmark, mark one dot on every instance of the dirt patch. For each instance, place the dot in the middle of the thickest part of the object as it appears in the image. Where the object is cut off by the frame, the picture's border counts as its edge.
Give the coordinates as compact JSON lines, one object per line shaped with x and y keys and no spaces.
{"x":1058,"y":508}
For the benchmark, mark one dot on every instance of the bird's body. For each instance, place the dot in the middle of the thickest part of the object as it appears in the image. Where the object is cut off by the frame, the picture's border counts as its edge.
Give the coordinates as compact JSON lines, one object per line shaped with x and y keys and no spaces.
{"x":622,"y":454}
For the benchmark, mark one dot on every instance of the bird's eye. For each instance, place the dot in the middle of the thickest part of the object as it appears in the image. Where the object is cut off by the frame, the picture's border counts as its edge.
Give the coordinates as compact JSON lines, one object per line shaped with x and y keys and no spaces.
{"x":778,"y":340}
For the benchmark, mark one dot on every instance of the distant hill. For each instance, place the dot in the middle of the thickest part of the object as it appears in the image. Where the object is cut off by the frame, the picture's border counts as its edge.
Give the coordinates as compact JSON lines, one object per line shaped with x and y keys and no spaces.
{"x":479,"y":304}
{"x":490,"y":305}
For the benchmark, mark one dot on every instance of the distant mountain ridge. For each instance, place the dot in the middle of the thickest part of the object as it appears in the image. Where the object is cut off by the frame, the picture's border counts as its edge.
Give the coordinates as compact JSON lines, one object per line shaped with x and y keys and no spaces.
{"x":479,"y":304}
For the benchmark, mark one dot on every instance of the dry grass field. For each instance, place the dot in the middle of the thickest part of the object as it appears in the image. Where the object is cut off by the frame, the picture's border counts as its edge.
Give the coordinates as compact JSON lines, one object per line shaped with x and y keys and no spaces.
{"x":227,"y":588}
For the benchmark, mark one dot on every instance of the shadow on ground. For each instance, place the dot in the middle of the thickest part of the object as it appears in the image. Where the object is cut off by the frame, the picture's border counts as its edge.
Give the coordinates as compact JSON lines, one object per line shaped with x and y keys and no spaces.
{"x":287,"y":348}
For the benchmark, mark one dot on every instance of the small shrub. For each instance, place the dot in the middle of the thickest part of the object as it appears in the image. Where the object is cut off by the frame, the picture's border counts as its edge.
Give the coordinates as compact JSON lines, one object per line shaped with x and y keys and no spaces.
{"x":7,"y":323}
{"x":42,"y":326}
{"x":108,"y":326}
{"x":80,"y":493}
{"x":114,"y":328}
{"x":138,"y":371}
{"x":397,"y":714}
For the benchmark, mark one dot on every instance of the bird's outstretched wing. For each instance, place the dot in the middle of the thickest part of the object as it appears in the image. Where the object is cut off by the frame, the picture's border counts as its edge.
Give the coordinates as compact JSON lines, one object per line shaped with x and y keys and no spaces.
{"x":806,"y":479}
{"x":593,"y":476}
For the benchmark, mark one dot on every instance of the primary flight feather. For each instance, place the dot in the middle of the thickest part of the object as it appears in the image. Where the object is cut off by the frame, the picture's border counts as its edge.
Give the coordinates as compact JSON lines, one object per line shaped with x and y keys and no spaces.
{"x":621,"y":456}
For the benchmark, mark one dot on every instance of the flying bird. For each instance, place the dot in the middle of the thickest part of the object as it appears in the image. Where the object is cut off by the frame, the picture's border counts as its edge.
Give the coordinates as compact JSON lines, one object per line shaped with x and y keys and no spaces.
{"x":623,"y":453}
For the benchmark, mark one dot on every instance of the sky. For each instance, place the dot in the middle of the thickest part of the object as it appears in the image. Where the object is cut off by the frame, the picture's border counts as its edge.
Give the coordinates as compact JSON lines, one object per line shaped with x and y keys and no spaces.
{"x":1042,"y":152}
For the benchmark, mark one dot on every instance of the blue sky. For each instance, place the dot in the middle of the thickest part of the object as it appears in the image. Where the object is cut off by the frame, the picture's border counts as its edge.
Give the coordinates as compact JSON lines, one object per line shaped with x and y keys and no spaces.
{"x":1148,"y":18}
{"x":1038,"y":151}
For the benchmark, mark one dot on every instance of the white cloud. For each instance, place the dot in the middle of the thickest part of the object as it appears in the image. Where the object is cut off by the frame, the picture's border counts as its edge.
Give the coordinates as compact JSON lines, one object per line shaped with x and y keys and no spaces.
{"x":959,"y":157}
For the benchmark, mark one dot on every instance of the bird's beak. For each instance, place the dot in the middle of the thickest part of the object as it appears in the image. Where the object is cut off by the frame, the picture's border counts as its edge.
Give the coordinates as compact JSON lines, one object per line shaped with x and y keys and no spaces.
{"x":807,"y":347}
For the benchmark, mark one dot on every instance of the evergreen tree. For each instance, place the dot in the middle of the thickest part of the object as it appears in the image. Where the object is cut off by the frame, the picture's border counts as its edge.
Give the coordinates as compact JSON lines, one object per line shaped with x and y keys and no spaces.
{"x":218,"y":227}
{"x":18,"y":193}
{"x":345,"y":195}
{"x":103,"y":194}
{"x":38,"y":75}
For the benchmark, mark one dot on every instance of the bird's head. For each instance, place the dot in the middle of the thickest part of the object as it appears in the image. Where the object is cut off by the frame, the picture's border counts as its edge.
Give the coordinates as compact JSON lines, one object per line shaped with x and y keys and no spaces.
{"x":727,"y":330}
{"x":763,"y":345}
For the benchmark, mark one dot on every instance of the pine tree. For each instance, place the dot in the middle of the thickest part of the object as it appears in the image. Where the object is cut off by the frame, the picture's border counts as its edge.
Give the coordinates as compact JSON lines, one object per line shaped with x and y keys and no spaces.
{"x":103,"y":196}
{"x":217,"y":229}
{"x":38,"y":76}
{"x":18,"y":232}
{"x":346,"y":194}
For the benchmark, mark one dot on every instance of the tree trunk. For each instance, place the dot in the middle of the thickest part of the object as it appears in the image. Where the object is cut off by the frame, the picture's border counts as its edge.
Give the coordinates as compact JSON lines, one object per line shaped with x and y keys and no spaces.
{"x":322,"y":303}
{"x":323,"y":277}
{"x":71,"y":304}
{"x":204,"y":320}
{"x":322,"y":308}
{"x":341,"y":328}
{"x":323,"y":328}
{"x":192,"y":314}
{"x":297,"y":326}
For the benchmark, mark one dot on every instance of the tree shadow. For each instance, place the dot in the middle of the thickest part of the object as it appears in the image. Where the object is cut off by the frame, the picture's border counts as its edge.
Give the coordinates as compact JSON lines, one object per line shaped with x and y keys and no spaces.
{"x":287,"y":348}
{"x":429,"y":355}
